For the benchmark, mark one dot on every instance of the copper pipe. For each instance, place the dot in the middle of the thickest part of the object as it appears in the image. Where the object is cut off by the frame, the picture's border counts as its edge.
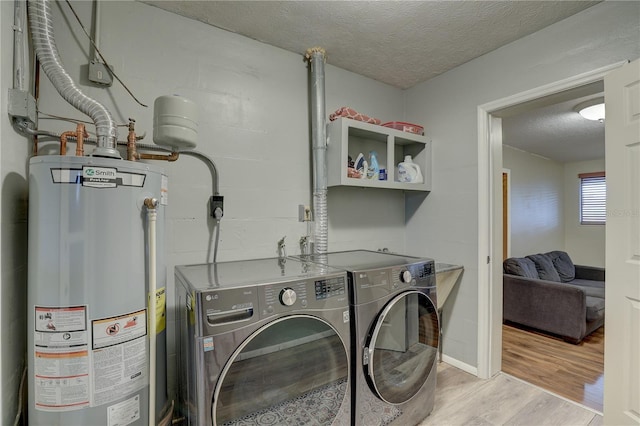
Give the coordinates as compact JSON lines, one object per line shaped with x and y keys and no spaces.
{"x":63,"y":141}
{"x":132,"y":153}
{"x":35,"y":145}
{"x":81,"y":133}
{"x":170,"y":157}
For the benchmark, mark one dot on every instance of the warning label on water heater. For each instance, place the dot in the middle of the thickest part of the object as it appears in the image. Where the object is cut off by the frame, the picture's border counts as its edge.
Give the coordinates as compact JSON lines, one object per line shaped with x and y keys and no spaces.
{"x":120,"y":329}
{"x":99,"y":177}
{"x":119,"y":356}
{"x":61,"y":358}
{"x":77,"y":365}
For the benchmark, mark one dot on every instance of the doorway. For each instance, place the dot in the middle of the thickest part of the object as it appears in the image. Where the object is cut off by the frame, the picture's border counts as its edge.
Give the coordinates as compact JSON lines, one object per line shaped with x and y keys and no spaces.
{"x":489,"y":202}
{"x":544,"y":208}
{"x":547,"y":175}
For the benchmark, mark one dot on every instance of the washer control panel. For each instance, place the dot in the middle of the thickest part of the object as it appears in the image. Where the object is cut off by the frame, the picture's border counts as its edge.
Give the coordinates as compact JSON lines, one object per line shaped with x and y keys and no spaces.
{"x":323,"y":293}
{"x":330,"y":287}
{"x":288,"y":296}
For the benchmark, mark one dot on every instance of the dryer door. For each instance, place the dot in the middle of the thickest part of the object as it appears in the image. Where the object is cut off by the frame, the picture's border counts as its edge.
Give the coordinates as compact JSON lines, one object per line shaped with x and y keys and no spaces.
{"x":293,"y":370}
{"x":402,"y":347}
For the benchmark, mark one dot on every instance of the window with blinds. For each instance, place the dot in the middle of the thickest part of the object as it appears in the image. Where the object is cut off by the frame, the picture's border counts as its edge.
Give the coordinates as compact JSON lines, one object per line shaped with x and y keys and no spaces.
{"x":593,"y":198}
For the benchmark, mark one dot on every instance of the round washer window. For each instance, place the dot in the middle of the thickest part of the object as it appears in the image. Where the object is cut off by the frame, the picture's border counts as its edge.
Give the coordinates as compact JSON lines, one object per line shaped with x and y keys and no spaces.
{"x":292,"y":370}
{"x":403,"y":347}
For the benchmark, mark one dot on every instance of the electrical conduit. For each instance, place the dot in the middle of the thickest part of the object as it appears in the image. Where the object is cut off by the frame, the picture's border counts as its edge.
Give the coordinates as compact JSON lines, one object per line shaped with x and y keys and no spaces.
{"x":19,"y":55}
{"x":152,"y":215}
{"x":45,"y":47}
{"x":316,"y":57}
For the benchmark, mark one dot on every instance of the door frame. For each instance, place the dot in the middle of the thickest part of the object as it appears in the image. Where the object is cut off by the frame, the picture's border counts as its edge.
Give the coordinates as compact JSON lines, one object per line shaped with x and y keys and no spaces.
{"x":507,"y":226}
{"x":489,"y":360}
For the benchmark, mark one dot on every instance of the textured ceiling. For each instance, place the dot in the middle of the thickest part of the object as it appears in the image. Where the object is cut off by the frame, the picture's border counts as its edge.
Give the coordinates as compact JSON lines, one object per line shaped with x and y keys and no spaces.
{"x":556,"y":131}
{"x":403,"y":43}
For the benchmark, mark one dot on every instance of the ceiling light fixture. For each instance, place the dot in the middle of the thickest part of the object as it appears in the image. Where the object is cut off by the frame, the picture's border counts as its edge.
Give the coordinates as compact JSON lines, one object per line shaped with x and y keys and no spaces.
{"x":592,"y":109}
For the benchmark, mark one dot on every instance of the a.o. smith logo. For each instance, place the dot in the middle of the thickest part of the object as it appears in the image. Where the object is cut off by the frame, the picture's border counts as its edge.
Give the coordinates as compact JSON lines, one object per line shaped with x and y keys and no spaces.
{"x":99,"y":177}
{"x":108,"y":173}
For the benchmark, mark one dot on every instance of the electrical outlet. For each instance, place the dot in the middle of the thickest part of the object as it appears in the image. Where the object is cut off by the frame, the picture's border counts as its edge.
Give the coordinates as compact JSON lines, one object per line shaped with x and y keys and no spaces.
{"x":100,"y":74}
{"x":304,"y":213}
{"x":216,"y":202}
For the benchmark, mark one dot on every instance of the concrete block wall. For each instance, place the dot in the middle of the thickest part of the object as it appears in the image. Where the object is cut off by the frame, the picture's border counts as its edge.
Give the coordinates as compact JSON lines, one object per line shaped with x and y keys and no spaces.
{"x":254,"y":123}
{"x":446,"y":226}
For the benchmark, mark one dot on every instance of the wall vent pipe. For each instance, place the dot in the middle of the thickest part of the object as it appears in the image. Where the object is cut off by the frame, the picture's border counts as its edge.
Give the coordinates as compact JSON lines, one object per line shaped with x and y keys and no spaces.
{"x":316,"y":57}
{"x":45,"y":47}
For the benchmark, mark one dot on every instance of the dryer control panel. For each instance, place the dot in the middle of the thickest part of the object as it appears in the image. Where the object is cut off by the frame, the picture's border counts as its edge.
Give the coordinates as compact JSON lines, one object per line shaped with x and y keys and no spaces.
{"x":374,"y":275}
{"x":373,"y":284}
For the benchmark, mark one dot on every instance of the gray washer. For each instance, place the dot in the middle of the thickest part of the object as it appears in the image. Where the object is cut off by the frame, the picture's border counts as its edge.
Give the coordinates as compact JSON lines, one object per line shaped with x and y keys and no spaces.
{"x":265,"y":338}
{"x":395,"y":329}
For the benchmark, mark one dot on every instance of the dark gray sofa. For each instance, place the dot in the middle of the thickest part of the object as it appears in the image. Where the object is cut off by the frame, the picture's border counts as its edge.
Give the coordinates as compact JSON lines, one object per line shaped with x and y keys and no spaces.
{"x":548,"y":292}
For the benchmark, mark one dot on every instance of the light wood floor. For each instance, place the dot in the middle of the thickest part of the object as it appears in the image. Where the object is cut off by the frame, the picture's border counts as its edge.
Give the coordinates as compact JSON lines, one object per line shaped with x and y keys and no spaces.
{"x":464,"y":399}
{"x":573,"y":371}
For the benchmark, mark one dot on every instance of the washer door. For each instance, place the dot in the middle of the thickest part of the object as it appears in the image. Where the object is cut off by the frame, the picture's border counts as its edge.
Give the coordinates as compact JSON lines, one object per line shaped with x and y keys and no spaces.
{"x":293,"y":370}
{"x":402,"y":347}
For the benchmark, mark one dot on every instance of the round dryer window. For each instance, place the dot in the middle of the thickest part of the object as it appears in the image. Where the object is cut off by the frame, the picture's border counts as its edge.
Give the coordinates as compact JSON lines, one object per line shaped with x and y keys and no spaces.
{"x":292,"y":370}
{"x":403,"y":347}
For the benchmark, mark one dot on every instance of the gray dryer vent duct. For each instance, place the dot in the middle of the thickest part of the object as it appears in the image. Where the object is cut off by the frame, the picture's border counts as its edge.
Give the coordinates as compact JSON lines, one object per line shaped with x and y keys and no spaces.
{"x":47,"y":53}
{"x":316,"y":57}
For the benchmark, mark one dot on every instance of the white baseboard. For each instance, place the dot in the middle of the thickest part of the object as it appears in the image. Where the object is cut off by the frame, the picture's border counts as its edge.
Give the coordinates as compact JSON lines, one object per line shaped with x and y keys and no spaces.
{"x":461,"y":365}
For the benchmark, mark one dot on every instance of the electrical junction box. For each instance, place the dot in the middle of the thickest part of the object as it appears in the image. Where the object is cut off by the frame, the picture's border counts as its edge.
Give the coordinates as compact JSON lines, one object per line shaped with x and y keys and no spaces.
{"x":100,"y":74}
{"x":22,"y":105}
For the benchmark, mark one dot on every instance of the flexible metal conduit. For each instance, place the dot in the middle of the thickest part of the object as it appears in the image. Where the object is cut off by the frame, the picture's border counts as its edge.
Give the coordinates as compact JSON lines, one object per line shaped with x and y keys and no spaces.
{"x":47,"y":53}
{"x":316,"y":57}
{"x":192,"y":153}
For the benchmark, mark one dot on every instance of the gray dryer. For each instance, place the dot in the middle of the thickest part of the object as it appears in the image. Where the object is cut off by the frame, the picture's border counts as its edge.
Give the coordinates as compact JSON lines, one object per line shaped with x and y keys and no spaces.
{"x":395,"y":330}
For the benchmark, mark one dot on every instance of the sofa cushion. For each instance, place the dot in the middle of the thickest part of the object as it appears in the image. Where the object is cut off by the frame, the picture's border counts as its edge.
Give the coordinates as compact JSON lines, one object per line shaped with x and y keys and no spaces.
{"x":563,"y":264}
{"x":520,"y":266}
{"x":588,"y":287}
{"x":595,"y":308}
{"x":588,"y":283}
{"x":545,"y":268}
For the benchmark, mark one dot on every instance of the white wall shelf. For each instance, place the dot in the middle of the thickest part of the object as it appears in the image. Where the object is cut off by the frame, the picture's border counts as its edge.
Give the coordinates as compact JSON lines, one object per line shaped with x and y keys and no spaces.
{"x":350,"y":137}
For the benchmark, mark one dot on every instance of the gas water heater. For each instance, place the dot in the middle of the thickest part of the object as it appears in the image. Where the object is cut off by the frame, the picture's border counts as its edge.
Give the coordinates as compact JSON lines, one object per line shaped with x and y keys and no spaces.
{"x":88,"y":295}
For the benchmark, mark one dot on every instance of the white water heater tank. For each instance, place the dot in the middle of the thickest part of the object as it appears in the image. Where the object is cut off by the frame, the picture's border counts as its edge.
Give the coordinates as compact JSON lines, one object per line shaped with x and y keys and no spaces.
{"x":175,"y":123}
{"x":88,"y":335}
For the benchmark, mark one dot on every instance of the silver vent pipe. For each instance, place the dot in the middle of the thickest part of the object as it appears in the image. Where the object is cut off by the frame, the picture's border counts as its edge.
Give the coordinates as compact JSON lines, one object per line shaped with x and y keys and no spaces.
{"x":47,"y":53}
{"x":316,"y":57}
